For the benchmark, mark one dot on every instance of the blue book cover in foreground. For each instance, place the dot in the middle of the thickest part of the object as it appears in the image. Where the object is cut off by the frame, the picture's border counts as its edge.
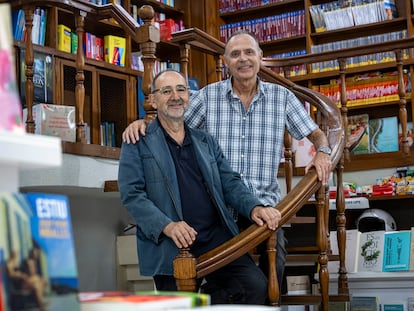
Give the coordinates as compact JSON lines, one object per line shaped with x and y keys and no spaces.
{"x":39,"y":263}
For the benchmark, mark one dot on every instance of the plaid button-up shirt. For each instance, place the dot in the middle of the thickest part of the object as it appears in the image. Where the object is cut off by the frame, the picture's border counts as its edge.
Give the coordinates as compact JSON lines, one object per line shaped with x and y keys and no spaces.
{"x":251,"y":140}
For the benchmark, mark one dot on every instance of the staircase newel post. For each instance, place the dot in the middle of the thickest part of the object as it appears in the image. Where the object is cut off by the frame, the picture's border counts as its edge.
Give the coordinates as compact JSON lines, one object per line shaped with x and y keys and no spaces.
{"x":185,"y":271}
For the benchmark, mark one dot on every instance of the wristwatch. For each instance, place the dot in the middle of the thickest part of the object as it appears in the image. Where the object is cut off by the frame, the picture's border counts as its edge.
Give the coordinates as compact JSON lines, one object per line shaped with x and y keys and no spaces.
{"x":325,"y":149}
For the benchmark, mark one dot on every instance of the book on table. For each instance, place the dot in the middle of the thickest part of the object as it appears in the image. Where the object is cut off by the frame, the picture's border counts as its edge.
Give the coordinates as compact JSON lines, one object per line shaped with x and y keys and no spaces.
{"x":37,"y":252}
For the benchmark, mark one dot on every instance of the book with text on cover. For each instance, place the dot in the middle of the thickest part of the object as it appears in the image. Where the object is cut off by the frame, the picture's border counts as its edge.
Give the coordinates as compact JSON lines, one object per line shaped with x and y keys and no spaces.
{"x":39,"y":256}
{"x":396,"y":251}
{"x":371,"y":251}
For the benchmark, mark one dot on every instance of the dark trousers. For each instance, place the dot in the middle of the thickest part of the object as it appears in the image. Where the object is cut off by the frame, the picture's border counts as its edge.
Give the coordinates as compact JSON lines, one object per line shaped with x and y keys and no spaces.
{"x":240,"y":282}
{"x":244,"y":223}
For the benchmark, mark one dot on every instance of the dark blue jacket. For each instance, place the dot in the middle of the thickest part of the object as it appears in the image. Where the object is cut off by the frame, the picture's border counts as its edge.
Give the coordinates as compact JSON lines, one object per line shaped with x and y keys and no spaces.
{"x":149,"y":190}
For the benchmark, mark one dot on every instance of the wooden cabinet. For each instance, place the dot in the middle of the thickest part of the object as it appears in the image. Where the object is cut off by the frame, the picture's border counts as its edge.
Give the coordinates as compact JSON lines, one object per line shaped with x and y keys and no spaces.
{"x":109,"y":92}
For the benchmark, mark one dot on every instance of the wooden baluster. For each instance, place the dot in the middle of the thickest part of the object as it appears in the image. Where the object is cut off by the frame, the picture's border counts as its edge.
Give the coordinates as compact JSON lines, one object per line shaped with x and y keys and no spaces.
{"x":322,"y":206}
{"x":185,"y":271}
{"x":403,"y":107}
{"x":80,"y":78}
{"x":288,"y":165}
{"x":219,"y":67}
{"x":184,"y":58}
{"x":29,"y":59}
{"x":340,"y":229}
{"x":272,"y":286}
{"x":340,"y":199}
{"x":147,"y":36}
{"x":288,"y":154}
{"x":344,"y":108}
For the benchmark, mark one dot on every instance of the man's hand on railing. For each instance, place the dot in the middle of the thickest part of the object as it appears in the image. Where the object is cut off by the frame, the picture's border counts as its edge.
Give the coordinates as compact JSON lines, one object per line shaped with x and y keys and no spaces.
{"x":323,"y":165}
{"x":261,"y":215}
{"x":133,"y":131}
{"x":181,"y":233}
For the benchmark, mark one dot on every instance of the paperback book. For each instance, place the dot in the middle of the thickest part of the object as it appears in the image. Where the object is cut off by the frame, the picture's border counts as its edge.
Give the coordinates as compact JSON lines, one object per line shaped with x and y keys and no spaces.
{"x":364,"y":303}
{"x":10,"y":116}
{"x":127,"y":301}
{"x":351,"y":251}
{"x":397,"y":251}
{"x":38,"y":253}
{"x":358,"y":134}
{"x":371,"y":251}
{"x":42,"y":77}
{"x":383,"y":134}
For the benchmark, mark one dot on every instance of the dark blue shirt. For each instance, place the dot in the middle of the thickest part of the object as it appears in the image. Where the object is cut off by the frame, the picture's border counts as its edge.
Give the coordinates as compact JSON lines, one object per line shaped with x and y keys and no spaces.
{"x":198,"y":205}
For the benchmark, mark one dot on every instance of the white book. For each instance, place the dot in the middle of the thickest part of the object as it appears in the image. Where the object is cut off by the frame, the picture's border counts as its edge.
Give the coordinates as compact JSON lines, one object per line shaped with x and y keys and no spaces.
{"x":371,"y":251}
{"x":351,"y":251}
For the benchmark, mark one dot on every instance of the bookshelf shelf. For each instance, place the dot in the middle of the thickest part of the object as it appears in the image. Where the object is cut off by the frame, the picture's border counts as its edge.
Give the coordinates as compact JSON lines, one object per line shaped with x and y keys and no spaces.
{"x":396,"y":24}
{"x":24,"y":152}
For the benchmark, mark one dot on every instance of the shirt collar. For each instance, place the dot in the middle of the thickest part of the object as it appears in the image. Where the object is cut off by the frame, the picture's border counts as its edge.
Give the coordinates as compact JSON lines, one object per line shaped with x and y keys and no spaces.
{"x":229,"y":87}
{"x":187,"y":139}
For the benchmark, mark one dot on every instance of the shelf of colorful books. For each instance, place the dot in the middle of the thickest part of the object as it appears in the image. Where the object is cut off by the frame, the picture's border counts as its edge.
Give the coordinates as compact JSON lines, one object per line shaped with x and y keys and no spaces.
{"x":173,"y":11}
{"x":231,"y":10}
{"x":397,"y":24}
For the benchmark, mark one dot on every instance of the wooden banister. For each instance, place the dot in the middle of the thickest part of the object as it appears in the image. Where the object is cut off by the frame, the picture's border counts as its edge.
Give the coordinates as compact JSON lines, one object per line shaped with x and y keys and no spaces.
{"x":187,"y":268}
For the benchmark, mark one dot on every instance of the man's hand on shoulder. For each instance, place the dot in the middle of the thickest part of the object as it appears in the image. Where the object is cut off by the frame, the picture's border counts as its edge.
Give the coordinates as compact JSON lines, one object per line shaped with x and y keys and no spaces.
{"x":133,"y":131}
{"x":269,"y":215}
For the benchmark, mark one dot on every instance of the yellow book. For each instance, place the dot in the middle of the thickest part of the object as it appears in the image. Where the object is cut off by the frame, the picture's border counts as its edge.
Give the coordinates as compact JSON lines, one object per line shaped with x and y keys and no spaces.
{"x":64,"y":38}
{"x":115,"y":50}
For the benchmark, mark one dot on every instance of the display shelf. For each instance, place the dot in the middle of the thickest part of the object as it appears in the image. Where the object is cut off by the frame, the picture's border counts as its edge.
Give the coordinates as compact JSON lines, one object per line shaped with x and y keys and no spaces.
{"x":387,"y":286}
{"x":26,"y":151}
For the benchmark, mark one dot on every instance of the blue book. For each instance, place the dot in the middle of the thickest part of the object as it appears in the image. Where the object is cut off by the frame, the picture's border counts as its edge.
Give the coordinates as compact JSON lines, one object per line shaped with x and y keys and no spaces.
{"x":38,"y":254}
{"x":383,"y":134}
{"x":396,"y":251}
{"x":393,"y":307}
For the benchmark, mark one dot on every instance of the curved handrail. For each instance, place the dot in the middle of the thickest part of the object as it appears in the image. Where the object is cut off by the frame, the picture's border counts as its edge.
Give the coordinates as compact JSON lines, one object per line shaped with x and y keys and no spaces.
{"x":303,"y":190}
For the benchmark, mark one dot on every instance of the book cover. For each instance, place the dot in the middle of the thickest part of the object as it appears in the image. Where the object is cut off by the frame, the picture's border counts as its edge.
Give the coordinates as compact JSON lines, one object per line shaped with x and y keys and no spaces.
{"x":383,"y":134}
{"x":64,"y":38}
{"x":42,"y":77}
{"x":115,"y":50}
{"x":397,"y":251}
{"x":10,"y":116}
{"x":410,"y":304}
{"x":127,"y":301}
{"x":351,"y":251}
{"x":393,"y":307}
{"x":358,"y":134}
{"x":197,"y":299}
{"x":37,"y":239}
{"x":364,"y":303}
{"x":371,"y":251}
{"x":411,"y":267}
{"x":73,"y":43}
